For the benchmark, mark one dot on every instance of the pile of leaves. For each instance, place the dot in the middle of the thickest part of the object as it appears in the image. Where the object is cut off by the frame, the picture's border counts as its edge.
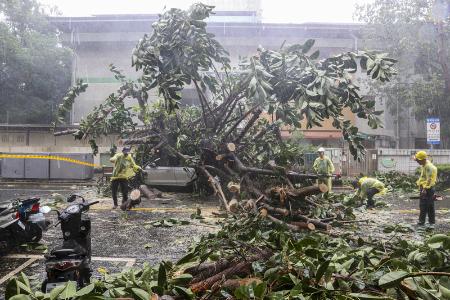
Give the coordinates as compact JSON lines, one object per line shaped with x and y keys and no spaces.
{"x":398,"y":181}
{"x":253,"y":258}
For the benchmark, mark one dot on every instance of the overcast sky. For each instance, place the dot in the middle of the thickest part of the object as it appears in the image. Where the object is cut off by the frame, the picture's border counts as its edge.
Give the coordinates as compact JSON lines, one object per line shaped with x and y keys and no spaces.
{"x":284,"y":11}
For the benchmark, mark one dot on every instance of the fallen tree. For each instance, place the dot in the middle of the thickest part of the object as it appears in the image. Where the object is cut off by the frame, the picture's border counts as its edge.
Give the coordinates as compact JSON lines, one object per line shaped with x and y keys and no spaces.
{"x":234,"y":133}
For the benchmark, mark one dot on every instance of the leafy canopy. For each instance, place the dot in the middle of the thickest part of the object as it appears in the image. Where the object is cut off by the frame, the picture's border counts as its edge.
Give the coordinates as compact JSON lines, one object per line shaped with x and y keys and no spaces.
{"x":290,"y":84}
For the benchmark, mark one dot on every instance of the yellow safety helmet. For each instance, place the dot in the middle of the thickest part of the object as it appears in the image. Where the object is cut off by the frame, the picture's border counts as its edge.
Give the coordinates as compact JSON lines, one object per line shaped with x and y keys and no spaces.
{"x":421,"y":155}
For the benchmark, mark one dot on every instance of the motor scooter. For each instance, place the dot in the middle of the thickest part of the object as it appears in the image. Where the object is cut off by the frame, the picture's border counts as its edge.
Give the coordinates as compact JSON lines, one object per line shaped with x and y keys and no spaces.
{"x":21,"y":222}
{"x":72,"y":260}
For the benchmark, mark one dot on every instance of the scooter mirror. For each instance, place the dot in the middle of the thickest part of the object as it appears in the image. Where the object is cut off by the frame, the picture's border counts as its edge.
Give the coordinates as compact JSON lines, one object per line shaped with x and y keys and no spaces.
{"x":45,"y":209}
{"x":71,"y":198}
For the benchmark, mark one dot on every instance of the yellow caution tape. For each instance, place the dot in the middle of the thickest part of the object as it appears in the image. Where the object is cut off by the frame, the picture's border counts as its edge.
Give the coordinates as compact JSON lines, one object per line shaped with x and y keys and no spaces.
{"x":51,"y":157}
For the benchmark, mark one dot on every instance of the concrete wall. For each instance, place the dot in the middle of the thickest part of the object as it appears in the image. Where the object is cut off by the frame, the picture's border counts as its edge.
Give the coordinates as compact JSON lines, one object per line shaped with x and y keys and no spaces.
{"x":402,"y":160}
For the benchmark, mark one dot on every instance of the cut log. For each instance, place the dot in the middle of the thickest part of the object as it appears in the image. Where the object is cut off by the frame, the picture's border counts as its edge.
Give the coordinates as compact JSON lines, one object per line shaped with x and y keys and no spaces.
{"x":280,"y":211}
{"x":242,"y":268}
{"x":308,"y":191}
{"x":231,"y":147}
{"x":135,"y":195}
{"x":206,"y":270}
{"x":317,"y":223}
{"x":233,"y":205}
{"x":146,"y":192}
{"x":233,"y":284}
{"x":278,"y":221}
{"x":216,"y":187}
{"x":304,"y":225}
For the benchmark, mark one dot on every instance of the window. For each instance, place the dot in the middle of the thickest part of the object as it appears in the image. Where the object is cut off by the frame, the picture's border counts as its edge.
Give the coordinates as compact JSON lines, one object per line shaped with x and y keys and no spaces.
{"x":5,"y":138}
{"x":20,"y":139}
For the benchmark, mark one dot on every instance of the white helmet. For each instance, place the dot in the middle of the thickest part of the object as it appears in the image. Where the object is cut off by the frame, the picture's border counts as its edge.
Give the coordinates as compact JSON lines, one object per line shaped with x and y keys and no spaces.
{"x":321,"y":149}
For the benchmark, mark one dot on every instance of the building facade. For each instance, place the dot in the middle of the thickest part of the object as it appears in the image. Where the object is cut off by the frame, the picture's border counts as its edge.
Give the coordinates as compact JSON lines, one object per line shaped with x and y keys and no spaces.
{"x":99,"y":41}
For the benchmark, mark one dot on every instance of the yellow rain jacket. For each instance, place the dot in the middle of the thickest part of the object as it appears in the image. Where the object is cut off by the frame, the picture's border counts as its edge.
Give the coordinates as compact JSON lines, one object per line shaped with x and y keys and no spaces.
{"x":367,"y":183}
{"x":124,"y":166}
{"x":324,"y":166}
{"x":428,"y":176}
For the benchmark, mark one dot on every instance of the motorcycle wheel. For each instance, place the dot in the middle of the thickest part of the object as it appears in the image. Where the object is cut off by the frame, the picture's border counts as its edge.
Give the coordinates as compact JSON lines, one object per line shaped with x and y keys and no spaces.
{"x":44,"y":286}
{"x":35,"y":233}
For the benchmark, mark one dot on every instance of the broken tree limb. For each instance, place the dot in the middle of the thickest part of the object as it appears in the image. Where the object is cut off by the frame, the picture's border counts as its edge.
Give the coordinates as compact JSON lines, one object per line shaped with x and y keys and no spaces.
{"x":278,"y":221}
{"x":308,"y":191}
{"x":304,"y":225}
{"x":233,"y":284}
{"x":281,"y":211}
{"x":141,"y":140}
{"x":65,"y":132}
{"x":149,"y":193}
{"x":206,"y":270}
{"x":317,"y":223}
{"x":243,"y":268}
{"x":216,"y":187}
{"x":241,"y":168}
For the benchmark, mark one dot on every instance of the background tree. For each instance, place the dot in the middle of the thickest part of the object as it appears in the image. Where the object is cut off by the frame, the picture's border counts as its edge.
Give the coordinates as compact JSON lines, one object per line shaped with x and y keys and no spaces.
{"x":417,"y":33}
{"x":34,"y":66}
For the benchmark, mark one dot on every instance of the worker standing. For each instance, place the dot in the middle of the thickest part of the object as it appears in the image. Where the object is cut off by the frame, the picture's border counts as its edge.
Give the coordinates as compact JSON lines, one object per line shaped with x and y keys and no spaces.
{"x":368,"y":188}
{"x":324,"y":168}
{"x":426,"y":183}
{"x":124,"y":169}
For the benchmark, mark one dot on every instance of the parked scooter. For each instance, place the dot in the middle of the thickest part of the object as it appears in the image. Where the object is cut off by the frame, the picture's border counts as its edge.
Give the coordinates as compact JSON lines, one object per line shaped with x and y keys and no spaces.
{"x":71,"y":261}
{"x":21,"y":222}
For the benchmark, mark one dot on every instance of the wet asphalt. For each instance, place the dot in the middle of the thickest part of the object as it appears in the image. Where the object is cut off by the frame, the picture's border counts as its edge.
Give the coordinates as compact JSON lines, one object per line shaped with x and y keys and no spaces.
{"x":120,"y":234}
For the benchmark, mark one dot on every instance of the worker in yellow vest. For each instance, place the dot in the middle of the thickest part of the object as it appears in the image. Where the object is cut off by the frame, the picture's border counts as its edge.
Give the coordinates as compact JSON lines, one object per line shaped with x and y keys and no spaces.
{"x":426,"y":183}
{"x":367,"y":188}
{"x":124,"y":169}
{"x":324,"y":168}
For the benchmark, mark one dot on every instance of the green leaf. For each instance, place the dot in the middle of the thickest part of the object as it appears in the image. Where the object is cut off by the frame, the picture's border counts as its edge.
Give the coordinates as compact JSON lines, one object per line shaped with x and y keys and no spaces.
{"x":260,"y":290}
{"x":187,"y":258}
{"x":182,"y":279}
{"x":86,"y":290}
{"x":322,"y":269}
{"x":56,"y":291}
{"x":392,"y":279}
{"x":315,"y":55}
{"x":184,"y":292}
{"x":162,"y":275}
{"x":141,"y":294}
{"x":69,"y":291}
{"x":308,"y":45}
{"x":20,"y":297}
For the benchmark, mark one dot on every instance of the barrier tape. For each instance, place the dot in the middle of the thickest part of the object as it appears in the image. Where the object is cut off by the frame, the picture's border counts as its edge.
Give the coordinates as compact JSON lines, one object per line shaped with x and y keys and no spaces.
{"x":51,"y":157}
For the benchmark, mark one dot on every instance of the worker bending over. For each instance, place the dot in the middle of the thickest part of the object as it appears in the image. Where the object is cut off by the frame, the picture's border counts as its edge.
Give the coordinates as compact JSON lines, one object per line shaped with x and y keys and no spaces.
{"x":124,"y":169}
{"x":367,"y":188}
{"x":324,"y":168}
{"x":426,"y":183}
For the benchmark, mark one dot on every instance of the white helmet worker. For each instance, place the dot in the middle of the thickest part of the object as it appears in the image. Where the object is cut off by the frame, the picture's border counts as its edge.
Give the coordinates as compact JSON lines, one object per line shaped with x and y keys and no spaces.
{"x":321,"y":149}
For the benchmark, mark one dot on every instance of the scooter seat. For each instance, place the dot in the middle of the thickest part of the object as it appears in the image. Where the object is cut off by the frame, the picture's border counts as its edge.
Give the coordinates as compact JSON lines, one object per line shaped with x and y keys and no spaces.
{"x":59,"y":253}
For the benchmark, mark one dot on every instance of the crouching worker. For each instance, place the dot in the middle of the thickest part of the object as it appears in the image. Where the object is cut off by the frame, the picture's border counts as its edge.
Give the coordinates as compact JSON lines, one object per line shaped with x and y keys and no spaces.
{"x":124,"y":169}
{"x":426,"y":183}
{"x":368,"y":188}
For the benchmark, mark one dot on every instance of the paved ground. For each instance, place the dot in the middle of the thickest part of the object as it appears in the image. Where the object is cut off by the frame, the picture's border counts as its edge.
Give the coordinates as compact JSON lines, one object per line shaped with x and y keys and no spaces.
{"x":120,"y":239}
{"x":117,"y":235}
